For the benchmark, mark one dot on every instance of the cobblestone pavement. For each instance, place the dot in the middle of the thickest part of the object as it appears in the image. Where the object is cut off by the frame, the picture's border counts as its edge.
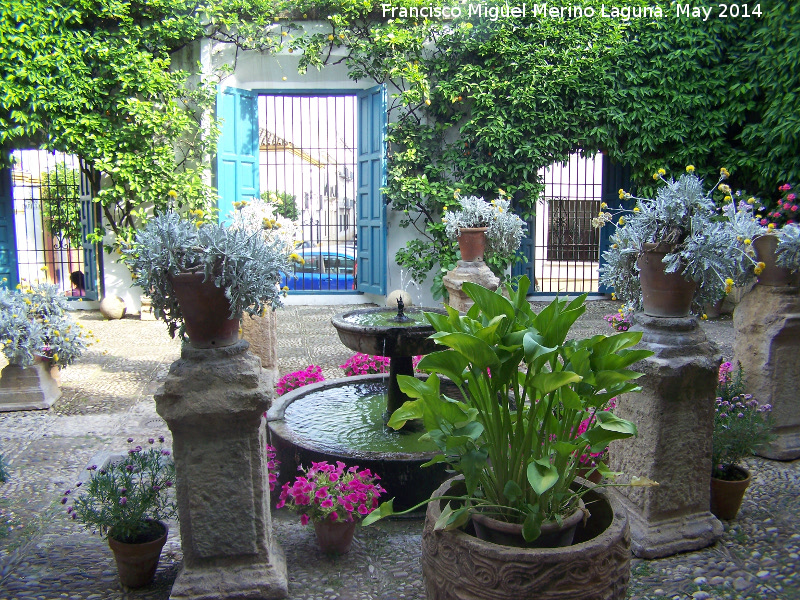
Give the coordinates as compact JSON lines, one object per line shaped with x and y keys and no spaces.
{"x":108,"y":396}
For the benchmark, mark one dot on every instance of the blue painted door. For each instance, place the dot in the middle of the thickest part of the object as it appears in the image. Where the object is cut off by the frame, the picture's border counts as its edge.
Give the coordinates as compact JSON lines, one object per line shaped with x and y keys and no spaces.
{"x":8,"y":238}
{"x":615,"y":177}
{"x":237,"y":149}
{"x":371,"y":207}
{"x":89,"y":210}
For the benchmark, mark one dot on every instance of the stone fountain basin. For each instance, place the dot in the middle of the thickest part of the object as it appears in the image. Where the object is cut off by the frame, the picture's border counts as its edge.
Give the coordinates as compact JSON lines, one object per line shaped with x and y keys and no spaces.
{"x":390,"y":339}
{"x":401,"y":473}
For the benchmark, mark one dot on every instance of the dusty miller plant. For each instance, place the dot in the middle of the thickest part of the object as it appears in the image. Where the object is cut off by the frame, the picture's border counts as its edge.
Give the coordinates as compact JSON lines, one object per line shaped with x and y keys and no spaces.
{"x":245,"y":263}
{"x":681,"y":219}
{"x":504,"y":228}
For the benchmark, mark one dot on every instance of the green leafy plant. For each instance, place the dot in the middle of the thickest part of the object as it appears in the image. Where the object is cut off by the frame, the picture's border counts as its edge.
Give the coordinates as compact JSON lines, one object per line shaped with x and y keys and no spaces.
{"x":683,"y":220}
{"x":527,"y":391}
{"x":34,"y":322}
{"x":61,"y":204}
{"x":3,"y":472}
{"x":283,"y":203}
{"x":741,"y":424}
{"x":123,"y":498}
{"x":246,"y":263}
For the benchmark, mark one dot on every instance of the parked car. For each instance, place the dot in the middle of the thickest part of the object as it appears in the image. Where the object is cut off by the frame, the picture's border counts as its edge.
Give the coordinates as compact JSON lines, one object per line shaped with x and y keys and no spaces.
{"x":331,"y":270}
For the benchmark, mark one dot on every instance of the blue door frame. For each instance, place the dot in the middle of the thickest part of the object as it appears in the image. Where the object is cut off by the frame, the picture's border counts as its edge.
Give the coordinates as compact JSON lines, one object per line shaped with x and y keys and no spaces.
{"x":236,"y":177}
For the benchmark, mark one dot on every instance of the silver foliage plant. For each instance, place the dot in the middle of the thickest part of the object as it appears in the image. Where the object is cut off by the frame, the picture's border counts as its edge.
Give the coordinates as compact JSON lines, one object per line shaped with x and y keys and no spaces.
{"x":682,"y":219}
{"x":505,"y":229}
{"x":788,"y":253}
{"x":247,"y":264}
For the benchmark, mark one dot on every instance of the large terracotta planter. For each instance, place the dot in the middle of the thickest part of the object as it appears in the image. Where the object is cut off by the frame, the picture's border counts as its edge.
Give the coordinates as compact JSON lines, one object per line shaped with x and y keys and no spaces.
{"x":205,"y":311}
{"x":772,"y":274}
{"x":334,"y":538}
{"x":458,"y":566}
{"x":472,"y":243}
{"x":137,"y":563}
{"x":727,"y":496}
{"x":663,"y":294}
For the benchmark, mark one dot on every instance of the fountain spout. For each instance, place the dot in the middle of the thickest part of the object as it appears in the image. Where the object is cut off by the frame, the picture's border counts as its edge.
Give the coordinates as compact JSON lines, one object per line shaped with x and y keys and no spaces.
{"x":401,"y":316}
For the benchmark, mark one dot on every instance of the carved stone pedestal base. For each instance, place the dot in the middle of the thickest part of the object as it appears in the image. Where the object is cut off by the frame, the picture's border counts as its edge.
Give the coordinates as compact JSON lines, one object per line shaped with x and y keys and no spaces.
{"x":29,"y":388}
{"x":474,"y":271}
{"x":213,"y":401}
{"x":767,"y":345}
{"x":674,"y":415}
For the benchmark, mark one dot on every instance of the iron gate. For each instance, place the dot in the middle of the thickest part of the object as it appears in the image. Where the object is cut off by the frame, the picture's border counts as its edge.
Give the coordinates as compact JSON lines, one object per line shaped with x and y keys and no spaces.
{"x":562,"y":247}
{"x":53,"y":212}
{"x":307,"y":170}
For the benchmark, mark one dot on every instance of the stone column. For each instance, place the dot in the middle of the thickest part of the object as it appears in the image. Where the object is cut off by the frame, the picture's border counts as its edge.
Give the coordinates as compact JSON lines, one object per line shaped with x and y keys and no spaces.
{"x":674,"y":415}
{"x":213,"y":401}
{"x":474,"y":271}
{"x":767,"y":345}
{"x":262,"y":334}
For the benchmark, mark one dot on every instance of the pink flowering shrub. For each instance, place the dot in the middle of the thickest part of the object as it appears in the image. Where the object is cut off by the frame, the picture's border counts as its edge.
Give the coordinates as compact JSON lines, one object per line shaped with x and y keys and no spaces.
{"x":331,"y":492}
{"x":586,"y":460}
{"x":272,"y":467}
{"x":365,"y":364}
{"x":618,"y":321}
{"x":292,"y":381}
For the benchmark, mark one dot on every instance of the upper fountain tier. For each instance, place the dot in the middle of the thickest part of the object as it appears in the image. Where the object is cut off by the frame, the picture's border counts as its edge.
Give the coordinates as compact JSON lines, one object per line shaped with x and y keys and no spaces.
{"x":377,"y":331}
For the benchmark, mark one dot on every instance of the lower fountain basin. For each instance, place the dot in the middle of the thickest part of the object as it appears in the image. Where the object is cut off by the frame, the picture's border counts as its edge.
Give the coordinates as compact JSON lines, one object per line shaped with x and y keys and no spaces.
{"x":341,"y":419}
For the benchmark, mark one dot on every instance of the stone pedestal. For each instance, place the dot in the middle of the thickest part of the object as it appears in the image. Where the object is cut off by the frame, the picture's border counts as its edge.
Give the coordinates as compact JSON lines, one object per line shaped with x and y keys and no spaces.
{"x":674,"y":415}
{"x":29,"y":388}
{"x":474,"y":271}
{"x":262,"y":334}
{"x":213,"y":401}
{"x":767,"y":345}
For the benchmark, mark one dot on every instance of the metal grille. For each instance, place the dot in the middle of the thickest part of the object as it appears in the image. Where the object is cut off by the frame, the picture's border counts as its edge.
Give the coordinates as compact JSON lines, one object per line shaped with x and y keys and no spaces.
{"x":307,"y":168}
{"x":46,"y":188}
{"x":565,"y":247}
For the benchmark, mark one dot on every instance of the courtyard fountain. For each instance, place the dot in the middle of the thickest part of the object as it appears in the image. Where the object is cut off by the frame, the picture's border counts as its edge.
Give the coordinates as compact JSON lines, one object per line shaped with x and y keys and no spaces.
{"x":344,"y":419}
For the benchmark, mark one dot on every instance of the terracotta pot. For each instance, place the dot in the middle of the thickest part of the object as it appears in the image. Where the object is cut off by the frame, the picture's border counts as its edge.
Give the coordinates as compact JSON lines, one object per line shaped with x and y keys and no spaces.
{"x":334,"y":538}
{"x":137,"y":563}
{"x":772,"y":275}
{"x":553,"y":535}
{"x":726,"y":496}
{"x":205,"y":311}
{"x":472,"y":243}
{"x":663,"y":294}
{"x":458,"y":566}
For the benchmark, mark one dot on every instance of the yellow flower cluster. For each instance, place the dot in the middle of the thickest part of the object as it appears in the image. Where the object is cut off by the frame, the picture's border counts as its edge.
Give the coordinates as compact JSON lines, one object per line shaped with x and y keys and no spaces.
{"x":296,"y":258}
{"x":724,"y":173}
{"x":728,"y":285}
{"x":240,"y":204}
{"x":269,"y":224}
{"x":172,"y":194}
{"x":690,"y":168}
{"x":759,"y":267}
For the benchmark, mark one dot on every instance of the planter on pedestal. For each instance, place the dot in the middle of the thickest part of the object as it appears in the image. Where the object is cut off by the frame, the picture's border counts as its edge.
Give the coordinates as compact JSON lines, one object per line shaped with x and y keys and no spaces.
{"x":206,"y":311}
{"x":472,"y":243}
{"x":334,"y":538}
{"x":137,"y":563}
{"x":663,"y":294}
{"x":30,"y":388}
{"x":772,"y":275}
{"x":456,"y":565}
{"x":727,"y":494}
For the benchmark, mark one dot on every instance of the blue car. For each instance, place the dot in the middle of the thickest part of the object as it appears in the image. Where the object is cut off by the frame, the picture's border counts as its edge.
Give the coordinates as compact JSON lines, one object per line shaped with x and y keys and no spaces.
{"x":323,"y":270}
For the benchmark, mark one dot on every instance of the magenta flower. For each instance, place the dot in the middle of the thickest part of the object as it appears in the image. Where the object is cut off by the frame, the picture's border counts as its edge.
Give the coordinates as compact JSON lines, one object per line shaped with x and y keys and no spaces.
{"x":304,"y":519}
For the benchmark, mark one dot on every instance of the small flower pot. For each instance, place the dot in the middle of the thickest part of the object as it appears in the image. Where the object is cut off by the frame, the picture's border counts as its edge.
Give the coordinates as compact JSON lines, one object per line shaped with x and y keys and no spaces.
{"x":552,"y":535}
{"x":727,"y":495}
{"x":334,"y":538}
{"x":137,"y":563}
{"x":472,"y":243}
